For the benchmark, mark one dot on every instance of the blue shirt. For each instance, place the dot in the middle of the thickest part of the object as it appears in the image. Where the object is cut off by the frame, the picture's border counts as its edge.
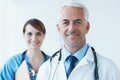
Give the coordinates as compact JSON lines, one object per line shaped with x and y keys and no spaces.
{"x":79,"y":55}
{"x":10,"y":68}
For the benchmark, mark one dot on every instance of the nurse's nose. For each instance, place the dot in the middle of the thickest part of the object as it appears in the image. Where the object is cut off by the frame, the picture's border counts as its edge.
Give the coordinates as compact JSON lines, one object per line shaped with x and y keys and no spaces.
{"x":34,"y":38}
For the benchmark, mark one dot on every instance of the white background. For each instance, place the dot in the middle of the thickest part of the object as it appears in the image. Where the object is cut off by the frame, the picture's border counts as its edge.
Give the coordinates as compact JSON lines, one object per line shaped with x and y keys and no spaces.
{"x":104,"y":19}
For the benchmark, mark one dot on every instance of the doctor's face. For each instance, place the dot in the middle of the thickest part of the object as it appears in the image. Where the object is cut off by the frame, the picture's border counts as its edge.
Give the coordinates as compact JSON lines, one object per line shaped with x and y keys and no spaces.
{"x":33,"y":37}
{"x":72,"y":26}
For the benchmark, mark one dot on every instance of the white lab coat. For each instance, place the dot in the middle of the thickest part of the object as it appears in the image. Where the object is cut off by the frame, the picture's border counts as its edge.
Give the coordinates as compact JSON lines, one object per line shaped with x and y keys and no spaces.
{"x":84,"y":70}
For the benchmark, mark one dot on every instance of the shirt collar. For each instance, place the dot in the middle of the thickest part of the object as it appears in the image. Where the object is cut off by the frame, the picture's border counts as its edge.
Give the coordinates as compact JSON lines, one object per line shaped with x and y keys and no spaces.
{"x":79,"y":54}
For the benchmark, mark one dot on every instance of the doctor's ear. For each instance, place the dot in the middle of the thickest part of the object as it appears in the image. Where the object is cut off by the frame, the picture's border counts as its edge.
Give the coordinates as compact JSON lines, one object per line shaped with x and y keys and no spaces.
{"x":58,"y":27}
{"x":87,"y":27}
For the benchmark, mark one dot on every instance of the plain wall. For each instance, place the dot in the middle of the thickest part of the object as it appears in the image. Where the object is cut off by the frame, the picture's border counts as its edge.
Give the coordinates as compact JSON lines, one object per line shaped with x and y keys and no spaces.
{"x":103,"y":34}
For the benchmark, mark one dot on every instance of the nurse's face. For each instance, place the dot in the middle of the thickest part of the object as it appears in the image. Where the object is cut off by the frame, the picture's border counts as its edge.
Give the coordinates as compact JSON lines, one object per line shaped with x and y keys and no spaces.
{"x":72,"y":27}
{"x":33,"y":37}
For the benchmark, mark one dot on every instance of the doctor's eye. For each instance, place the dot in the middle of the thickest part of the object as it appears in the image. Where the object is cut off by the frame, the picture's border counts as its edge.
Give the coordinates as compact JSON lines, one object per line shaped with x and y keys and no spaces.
{"x":65,"y":23}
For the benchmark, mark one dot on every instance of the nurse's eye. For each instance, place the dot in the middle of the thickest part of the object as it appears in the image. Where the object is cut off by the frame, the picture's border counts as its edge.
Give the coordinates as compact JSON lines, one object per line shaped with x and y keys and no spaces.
{"x":29,"y":34}
{"x":38,"y":34}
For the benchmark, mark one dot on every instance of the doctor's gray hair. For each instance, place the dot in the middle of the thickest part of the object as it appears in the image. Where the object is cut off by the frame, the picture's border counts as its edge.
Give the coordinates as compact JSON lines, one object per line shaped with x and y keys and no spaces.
{"x":76,"y":4}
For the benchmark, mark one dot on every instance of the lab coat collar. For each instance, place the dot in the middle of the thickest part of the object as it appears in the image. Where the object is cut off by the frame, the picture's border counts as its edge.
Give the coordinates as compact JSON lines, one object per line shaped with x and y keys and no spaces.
{"x":87,"y":58}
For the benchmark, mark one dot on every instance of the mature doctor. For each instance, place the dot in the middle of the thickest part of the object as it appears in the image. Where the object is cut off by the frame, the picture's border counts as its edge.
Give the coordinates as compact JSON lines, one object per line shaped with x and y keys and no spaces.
{"x":73,"y":25}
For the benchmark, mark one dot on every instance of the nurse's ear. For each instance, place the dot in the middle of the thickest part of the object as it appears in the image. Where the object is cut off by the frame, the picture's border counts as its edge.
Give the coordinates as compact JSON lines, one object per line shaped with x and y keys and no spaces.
{"x":23,"y":35}
{"x":87,"y":27}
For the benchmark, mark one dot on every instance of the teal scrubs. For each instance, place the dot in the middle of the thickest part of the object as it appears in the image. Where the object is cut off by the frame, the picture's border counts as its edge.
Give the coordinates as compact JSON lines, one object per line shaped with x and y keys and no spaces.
{"x":9,"y":69}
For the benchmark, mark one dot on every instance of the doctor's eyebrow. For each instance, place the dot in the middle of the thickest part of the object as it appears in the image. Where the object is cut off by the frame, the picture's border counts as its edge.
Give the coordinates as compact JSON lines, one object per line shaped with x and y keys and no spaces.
{"x":77,"y":20}
{"x":70,"y":20}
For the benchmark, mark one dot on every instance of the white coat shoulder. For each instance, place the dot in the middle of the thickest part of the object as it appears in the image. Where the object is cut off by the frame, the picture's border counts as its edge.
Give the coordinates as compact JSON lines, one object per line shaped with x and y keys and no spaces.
{"x":107,"y":69}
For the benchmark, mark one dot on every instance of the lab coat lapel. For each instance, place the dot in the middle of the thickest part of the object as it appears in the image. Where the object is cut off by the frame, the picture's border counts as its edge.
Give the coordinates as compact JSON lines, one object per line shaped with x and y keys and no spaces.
{"x":22,"y":72}
{"x":52,"y":70}
{"x":61,"y":72}
{"x":88,"y":57}
{"x":58,"y":70}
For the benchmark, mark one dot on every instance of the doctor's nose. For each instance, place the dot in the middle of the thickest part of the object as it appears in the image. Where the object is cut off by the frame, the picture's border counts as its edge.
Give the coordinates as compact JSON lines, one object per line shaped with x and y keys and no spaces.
{"x":71,"y":27}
